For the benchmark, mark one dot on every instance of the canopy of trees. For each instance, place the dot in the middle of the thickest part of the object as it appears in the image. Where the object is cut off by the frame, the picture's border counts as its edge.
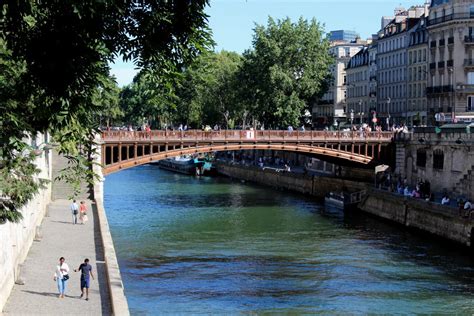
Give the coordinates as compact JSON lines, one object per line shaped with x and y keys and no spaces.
{"x":274,"y":83}
{"x":54,"y":73}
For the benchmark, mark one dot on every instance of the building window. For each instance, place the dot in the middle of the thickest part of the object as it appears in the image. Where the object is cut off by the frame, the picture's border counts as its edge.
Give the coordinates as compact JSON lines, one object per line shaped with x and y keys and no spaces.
{"x":470,"y":77}
{"x":421,"y":158}
{"x":470,"y":104}
{"x":438,"y":159}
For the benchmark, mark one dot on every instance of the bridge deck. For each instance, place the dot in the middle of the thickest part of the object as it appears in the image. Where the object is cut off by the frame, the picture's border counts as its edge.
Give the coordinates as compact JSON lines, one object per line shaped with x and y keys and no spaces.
{"x":247,"y":136}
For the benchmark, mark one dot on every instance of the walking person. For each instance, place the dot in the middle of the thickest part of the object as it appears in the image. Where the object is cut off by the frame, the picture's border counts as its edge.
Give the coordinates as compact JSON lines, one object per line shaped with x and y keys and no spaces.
{"x":86,"y":274}
{"x":83,"y":213}
{"x":61,"y":276}
{"x":74,"y":211}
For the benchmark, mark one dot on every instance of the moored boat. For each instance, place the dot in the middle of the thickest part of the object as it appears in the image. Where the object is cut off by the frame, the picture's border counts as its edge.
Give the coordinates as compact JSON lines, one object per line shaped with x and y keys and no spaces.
{"x":344,"y":200}
{"x":188,"y":165}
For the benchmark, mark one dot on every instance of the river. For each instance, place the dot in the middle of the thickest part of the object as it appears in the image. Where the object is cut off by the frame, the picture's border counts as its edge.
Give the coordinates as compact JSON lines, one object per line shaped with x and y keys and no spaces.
{"x":212,"y":245}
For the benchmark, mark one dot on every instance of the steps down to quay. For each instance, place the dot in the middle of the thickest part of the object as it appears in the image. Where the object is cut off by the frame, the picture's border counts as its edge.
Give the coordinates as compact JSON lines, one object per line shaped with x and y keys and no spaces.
{"x":465,"y":185}
{"x":61,"y":189}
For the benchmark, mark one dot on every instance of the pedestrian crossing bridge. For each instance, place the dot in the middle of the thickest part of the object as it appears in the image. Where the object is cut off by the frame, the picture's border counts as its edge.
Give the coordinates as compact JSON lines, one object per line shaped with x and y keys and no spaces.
{"x":124,"y":149}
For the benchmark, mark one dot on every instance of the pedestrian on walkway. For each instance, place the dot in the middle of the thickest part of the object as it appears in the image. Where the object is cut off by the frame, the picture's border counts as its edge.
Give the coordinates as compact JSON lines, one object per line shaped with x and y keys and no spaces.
{"x":83,"y":213}
{"x":74,"y":211}
{"x":86,"y":274}
{"x":61,"y":275}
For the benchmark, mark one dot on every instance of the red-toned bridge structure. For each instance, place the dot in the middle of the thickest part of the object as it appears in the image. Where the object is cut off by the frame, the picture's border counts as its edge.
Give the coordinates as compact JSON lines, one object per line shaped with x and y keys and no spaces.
{"x":124,"y":149}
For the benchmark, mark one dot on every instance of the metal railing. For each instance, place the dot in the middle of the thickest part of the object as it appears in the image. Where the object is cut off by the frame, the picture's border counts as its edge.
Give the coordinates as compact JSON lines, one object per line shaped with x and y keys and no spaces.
{"x":450,"y":17}
{"x":243,"y":135}
{"x":469,"y":62}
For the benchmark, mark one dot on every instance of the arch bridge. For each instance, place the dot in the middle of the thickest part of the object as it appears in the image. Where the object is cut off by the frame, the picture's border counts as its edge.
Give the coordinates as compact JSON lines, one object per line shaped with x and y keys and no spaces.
{"x":124,"y":149}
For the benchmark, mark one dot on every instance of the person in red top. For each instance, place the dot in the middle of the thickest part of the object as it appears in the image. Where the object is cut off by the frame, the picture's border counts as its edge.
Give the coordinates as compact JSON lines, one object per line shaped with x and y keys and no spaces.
{"x":83,"y":212}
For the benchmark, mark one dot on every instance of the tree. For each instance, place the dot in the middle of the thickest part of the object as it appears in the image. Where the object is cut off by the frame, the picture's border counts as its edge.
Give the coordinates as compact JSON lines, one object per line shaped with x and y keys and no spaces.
{"x":285,"y":71}
{"x":146,"y":100}
{"x":207,"y":94}
{"x":54,"y":56}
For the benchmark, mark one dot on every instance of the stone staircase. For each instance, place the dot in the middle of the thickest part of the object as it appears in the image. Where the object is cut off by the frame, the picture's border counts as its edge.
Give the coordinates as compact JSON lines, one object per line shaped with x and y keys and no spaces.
{"x":465,"y":185}
{"x":62,"y":190}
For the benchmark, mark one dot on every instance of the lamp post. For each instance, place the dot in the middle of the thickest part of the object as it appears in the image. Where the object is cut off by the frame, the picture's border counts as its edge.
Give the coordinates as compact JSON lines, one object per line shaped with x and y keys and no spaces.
{"x":360,"y":111}
{"x":453,"y":93}
{"x":352,"y":117}
{"x":388,"y":113}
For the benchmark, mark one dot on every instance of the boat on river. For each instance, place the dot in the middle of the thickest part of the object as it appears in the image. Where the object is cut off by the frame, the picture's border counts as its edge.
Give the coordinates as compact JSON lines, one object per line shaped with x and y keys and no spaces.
{"x":198,"y":166}
{"x":344,"y":200}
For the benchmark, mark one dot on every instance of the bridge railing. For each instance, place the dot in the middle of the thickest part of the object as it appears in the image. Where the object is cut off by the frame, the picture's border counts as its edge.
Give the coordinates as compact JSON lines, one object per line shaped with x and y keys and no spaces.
{"x":245,"y":135}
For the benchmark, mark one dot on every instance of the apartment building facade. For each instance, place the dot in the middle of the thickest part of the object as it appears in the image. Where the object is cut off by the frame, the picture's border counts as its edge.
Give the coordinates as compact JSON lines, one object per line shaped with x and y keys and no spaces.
{"x":450,"y":89}
{"x":358,"y":86}
{"x":392,"y":61}
{"x":417,"y":72}
{"x":331,"y":109}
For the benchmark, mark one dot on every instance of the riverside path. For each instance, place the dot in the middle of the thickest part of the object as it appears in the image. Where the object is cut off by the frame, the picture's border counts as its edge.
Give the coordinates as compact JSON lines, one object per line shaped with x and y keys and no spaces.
{"x":39,"y":294}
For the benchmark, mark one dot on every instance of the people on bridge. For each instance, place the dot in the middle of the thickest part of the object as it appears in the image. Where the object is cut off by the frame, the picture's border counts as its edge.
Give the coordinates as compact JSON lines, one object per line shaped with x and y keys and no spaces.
{"x":61,"y":276}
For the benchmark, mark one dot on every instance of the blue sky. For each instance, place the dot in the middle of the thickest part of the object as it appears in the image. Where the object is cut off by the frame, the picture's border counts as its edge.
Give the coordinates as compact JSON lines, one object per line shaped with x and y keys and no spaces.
{"x":232,"y":21}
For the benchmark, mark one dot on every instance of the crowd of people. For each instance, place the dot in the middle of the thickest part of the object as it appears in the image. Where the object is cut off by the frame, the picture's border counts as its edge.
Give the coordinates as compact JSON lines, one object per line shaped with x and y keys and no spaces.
{"x":422,"y":190}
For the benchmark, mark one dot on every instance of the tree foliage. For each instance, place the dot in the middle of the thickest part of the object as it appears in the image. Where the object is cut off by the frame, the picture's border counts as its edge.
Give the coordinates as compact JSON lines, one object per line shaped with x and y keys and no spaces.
{"x":285,"y":71}
{"x":207,"y":94}
{"x":54,"y":58}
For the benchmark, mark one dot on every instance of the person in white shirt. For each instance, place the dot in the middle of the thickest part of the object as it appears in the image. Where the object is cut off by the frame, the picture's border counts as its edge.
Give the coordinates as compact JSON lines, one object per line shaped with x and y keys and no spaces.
{"x":445,"y":200}
{"x":467,"y":205}
{"x":74,"y":211}
{"x":61,"y":275}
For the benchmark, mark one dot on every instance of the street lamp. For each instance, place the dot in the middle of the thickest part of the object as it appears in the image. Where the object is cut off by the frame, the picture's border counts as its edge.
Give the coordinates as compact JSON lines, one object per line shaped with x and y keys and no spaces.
{"x":388,"y":113}
{"x":360,"y":111}
{"x":352,"y":117}
{"x":453,"y":93}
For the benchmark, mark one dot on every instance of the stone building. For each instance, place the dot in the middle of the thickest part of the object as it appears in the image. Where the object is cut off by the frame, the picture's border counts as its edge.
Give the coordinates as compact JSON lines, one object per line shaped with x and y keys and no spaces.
{"x":392,"y":60}
{"x":372,"y":81}
{"x":417,"y":73}
{"x":451,"y":61}
{"x":331,"y":108}
{"x":358,"y":82}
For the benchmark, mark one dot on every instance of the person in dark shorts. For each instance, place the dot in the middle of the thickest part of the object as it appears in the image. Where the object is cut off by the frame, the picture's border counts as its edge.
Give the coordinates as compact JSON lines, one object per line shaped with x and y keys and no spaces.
{"x":86,"y":274}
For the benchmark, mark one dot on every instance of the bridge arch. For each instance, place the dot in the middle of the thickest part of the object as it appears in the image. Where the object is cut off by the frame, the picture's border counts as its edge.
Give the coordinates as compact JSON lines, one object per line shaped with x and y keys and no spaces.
{"x":122,"y":150}
{"x":152,"y":157}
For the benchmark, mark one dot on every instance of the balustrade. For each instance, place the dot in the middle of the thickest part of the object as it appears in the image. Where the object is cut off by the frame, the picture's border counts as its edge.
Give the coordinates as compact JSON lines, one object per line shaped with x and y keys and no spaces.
{"x":240,"y":135}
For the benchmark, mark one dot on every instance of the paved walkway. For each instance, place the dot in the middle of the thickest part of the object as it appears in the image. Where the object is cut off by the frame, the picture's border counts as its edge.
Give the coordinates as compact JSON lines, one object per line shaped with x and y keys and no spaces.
{"x":39,"y":295}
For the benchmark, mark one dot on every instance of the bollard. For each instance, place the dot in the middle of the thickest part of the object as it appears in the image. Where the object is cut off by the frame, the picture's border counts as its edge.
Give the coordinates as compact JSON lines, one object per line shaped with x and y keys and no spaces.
{"x":38,"y":233}
{"x":19,"y":279}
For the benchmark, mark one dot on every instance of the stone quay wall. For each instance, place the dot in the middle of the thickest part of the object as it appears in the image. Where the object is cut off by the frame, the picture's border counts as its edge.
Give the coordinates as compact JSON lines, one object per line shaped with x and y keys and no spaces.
{"x":454,"y":173}
{"x":422,"y":215}
{"x":300,"y":183}
{"x":17,"y":238}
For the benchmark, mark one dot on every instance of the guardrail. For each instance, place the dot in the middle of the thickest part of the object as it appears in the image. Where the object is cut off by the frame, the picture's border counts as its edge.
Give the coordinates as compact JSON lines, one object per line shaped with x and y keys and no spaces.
{"x":243,"y":135}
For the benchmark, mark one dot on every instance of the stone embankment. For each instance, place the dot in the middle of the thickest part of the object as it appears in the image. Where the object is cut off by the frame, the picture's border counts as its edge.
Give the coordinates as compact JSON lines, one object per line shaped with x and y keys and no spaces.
{"x":428,"y":217}
{"x":425,"y":216}
{"x":300,"y":183}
